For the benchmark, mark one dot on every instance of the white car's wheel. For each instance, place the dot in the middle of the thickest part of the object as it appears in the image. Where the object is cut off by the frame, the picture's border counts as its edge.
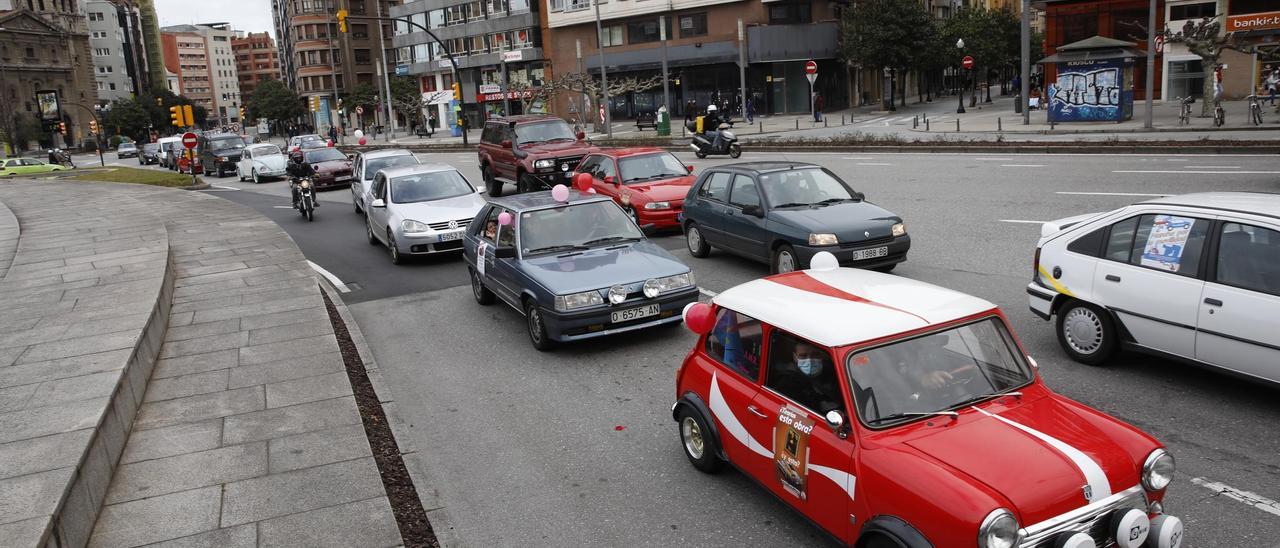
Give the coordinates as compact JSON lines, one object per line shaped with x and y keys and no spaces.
{"x":1086,"y":332}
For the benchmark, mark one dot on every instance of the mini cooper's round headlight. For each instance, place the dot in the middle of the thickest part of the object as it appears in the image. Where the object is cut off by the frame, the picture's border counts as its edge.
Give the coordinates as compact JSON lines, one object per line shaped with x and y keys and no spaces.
{"x":1158,"y":470}
{"x":617,"y":294}
{"x":651,"y":288}
{"x":998,"y":530}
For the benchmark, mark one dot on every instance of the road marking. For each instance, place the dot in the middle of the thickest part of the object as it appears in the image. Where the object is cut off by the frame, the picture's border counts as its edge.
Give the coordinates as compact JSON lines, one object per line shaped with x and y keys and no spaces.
{"x":1021,"y":165}
{"x":224,"y":187}
{"x":1113,"y":194}
{"x":708,"y":292}
{"x":1022,"y":221}
{"x":283,"y":207}
{"x":1252,"y":499}
{"x":872,"y":164}
{"x":994,"y":159}
{"x":1202,"y":172}
{"x":1176,"y":160}
{"x":1211,"y":167}
{"x":856,"y":158}
{"x":342,"y":288}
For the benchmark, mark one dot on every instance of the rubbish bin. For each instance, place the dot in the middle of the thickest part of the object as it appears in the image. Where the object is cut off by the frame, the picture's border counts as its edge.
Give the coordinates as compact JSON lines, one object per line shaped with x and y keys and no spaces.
{"x":1017,"y":104}
{"x":664,"y":122}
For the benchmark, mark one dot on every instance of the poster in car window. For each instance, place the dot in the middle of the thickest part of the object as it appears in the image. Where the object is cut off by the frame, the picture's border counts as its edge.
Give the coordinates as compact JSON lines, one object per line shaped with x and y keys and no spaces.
{"x":791,"y":449}
{"x":1164,"y":246}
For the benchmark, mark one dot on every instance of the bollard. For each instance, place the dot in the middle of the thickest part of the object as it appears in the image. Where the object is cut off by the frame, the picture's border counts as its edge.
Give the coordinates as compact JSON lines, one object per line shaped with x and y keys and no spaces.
{"x":761,"y":127}
{"x":842,"y":119}
{"x":915,"y":122}
{"x":797,"y":123}
{"x":957,"y":124}
{"x":999,"y":124}
{"x":926,"y":123}
{"x":824,"y":121}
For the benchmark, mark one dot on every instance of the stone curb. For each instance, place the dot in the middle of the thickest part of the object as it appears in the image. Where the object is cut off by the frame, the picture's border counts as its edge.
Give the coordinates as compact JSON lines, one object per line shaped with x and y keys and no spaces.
{"x":10,"y":231}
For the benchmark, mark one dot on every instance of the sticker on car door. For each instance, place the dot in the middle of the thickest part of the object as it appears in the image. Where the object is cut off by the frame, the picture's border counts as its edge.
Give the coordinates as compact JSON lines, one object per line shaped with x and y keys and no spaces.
{"x":1169,"y":234}
{"x":791,"y":449}
{"x":480,"y":250}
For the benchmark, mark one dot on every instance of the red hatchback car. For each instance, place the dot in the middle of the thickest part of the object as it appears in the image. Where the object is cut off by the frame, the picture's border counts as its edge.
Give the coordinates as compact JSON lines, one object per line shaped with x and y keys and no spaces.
{"x":650,"y":183}
{"x":895,"y":413}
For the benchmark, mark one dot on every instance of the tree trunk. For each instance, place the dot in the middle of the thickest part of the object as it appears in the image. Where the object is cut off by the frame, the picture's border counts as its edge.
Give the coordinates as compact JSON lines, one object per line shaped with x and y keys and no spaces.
{"x":1206,"y":106}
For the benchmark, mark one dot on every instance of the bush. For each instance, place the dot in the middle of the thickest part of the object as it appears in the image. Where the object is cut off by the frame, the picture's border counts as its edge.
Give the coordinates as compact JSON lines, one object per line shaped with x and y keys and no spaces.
{"x":115,"y":140}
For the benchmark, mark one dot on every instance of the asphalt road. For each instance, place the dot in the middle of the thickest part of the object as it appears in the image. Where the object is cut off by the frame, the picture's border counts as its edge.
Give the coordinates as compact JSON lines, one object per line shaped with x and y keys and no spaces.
{"x":577,"y":446}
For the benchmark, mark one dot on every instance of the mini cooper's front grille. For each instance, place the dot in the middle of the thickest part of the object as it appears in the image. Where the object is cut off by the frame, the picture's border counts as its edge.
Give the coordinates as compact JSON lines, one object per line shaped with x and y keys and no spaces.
{"x":1093,"y":519}
{"x":444,"y":225}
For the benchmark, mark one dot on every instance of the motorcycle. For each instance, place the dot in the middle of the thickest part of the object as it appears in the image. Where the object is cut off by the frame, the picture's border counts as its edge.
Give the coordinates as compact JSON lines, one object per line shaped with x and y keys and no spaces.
{"x":61,"y":157}
{"x":306,"y":204}
{"x":704,"y":145}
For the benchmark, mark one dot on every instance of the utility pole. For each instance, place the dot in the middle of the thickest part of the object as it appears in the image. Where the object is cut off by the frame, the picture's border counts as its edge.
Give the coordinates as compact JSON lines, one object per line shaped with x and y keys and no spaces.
{"x":386,"y":79}
{"x":666,"y":84}
{"x":742,"y":65}
{"x":1151,"y":62}
{"x":333,"y":71}
{"x":583,"y":115}
{"x":506,"y":86}
{"x":604,"y":78}
{"x":1025,"y":81}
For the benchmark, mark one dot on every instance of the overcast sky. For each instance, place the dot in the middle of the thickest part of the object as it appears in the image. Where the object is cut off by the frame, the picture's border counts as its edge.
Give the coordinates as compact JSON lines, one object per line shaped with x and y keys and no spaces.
{"x":245,"y":15}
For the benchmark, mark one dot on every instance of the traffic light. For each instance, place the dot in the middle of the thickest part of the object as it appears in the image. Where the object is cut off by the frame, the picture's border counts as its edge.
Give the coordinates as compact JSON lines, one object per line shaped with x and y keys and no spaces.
{"x":175,"y":116}
{"x":159,"y":102}
{"x":93,"y":126}
{"x":342,"y":20}
{"x":187,"y":117}
{"x":62,"y":128}
{"x":457,"y":92}
{"x":242,"y":113}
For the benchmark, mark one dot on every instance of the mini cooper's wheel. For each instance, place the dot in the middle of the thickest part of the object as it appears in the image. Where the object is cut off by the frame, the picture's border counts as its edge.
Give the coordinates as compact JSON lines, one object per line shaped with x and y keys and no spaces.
{"x":478,"y":290}
{"x":699,"y":444}
{"x":784,"y":260}
{"x":1086,"y":333}
{"x":394,"y":249}
{"x":698,"y":246}
{"x":537,"y":327}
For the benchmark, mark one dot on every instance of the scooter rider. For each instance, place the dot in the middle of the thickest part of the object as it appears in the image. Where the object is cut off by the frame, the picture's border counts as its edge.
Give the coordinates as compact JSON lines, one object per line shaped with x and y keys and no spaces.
{"x":711,"y":126}
{"x":298,"y":169}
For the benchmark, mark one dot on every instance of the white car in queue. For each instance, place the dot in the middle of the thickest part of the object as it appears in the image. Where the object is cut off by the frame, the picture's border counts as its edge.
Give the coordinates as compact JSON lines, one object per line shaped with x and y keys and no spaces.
{"x":261,"y":161}
{"x":420,"y":210}
{"x":1193,"y":277}
{"x":366,"y":164}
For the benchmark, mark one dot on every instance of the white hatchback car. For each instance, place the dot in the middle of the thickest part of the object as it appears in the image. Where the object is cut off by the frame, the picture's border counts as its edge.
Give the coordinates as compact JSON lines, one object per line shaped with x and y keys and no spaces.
{"x":1193,"y":277}
{"x":420,"y":209}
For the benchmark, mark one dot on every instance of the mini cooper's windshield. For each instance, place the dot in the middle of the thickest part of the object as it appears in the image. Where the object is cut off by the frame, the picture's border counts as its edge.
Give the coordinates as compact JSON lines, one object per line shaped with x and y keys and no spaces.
{"x":575,"y":227}
{"x":934,"y":373}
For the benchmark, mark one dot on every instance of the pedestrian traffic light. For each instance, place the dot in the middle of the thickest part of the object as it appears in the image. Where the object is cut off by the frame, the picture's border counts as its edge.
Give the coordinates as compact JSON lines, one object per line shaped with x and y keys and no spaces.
{"x":62,"y":128}
{"x":457,"y":92}
{"x":342,"y":20}
{"x":93,"y":126}
{"x":175,"y":116}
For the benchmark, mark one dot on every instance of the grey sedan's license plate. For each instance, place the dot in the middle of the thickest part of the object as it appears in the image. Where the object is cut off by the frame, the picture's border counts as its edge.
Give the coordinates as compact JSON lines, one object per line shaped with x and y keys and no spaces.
{"x":634,"y":313}
{"x":863,"y":254}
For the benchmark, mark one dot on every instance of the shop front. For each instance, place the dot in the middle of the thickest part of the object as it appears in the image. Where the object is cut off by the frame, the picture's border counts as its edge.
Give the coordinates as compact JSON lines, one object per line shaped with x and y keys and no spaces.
{"x":1259,"y":33}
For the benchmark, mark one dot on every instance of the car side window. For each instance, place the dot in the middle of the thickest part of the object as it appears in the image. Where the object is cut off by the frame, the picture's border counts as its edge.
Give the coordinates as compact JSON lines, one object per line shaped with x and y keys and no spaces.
{"x":489,"y":232}
{"x":1169,"y":243}
{"x":378,"y":186}
{"x":607,"y":168}
{"x":1090,"y":244}
{"x":744,"y":192}
{"x":716,"y":187}
{"x":486,"y":136}
{"x":588,"y":165}
{"x":803,"y":372}
{"x":1249,"y":258}
{"x":735,"y":341}
{"x":506,"y":133}
{"x":1120,"y":241}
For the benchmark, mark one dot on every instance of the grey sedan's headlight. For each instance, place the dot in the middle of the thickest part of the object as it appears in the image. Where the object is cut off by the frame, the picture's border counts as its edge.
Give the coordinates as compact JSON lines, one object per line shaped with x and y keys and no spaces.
{"x":998,"y":530}
{"x":410,"y":225}
{"x":578,"y":300}
{"x":899,"y":229}
{"x":672,"y":283}
{"x":544,"y":164}
{"x":658,"y":205}
{"x":1158,"y":470}
{"x":823,"y":239}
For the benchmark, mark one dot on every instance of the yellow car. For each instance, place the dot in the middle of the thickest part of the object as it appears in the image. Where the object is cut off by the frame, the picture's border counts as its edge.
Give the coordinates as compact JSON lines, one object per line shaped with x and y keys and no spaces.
{"x":26,"y":166}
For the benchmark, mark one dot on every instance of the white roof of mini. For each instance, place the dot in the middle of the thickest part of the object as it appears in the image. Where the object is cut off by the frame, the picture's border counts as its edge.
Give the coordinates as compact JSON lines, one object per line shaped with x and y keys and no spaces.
{"x":844,"y":306}
{"x":1248,"y":202}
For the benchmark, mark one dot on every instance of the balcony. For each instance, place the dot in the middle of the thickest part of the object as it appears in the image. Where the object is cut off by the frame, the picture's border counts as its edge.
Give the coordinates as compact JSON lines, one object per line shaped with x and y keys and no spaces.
{"x":767,"y":43}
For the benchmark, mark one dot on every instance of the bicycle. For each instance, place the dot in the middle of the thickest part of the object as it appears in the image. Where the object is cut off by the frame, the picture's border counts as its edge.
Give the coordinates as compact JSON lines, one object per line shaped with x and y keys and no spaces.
{"x":1219,"y":114}
{"x":1255,"y":109}
{"x":1184,"y":115}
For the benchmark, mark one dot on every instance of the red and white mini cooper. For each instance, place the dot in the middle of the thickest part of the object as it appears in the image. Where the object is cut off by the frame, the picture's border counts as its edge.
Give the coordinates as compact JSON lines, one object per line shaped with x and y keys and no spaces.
{"x":954,"y":441}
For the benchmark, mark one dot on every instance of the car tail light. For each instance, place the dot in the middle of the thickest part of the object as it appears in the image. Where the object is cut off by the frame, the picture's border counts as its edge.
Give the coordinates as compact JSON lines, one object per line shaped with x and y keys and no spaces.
{"x":1035,"y":266}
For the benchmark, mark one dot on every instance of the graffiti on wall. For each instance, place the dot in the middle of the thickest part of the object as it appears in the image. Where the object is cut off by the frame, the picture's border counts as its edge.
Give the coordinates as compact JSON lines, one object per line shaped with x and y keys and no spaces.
{"x":1088,"y":91}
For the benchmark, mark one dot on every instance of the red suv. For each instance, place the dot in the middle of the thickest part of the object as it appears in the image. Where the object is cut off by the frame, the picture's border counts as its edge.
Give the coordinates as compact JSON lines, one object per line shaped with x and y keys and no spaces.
{"x":531,"y":151}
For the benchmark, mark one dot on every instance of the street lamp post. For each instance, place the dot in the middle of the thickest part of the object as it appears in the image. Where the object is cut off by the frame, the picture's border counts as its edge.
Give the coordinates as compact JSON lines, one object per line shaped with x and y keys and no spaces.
{"x":960,"y":84}
{"x":604,"y":78}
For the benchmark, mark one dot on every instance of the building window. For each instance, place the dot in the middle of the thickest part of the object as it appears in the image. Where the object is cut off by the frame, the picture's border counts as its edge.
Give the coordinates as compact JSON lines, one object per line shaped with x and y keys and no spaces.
{"x":694,"y":24}
{"x":359,"y":32}
{"x":455,"y":15}
{"x":496,"y":7}
{"x":1186,"y":79}
{"x":500,"y":41}
{"x":101,"y":52}
{"x":1075,"y":27}
{"x":518,"y":6}
{"x":555,"y":5}
{"x":643,"y":31}
{"x":113,"y":87}
{"x":95,"y":16}
{"x":436,"y":19}
{"x":475,"y":10}
{"x":1193,"y":11}
{"x":475,"y":44}
{"x":523,"y":38}
{"x":30,"y":53}
{"x":611,"y":36}
{"x":576,"y":5}
{"x":790,"y":13}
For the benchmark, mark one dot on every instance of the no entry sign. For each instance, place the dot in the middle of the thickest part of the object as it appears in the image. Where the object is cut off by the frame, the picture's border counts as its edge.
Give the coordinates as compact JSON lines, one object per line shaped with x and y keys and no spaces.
{"x":810,"y":67}
{"x":189,"y":140}
{"x":967,"y":62}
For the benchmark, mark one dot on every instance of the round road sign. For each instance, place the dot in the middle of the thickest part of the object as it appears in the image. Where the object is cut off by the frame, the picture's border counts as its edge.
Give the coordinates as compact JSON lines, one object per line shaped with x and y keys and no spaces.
{"x":810,"y":67}
{"x":967,"y":62}
{"x":189,"y":140}
{"x":359,"y":110}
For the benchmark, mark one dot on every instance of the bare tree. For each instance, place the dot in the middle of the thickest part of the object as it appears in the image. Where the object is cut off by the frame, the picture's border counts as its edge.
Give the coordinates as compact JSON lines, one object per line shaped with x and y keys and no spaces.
{"x":584,"y":83}
{"x":1203,"y":38}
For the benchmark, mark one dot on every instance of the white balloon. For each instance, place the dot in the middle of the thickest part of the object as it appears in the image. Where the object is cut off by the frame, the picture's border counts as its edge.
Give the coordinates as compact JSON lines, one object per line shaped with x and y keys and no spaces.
{"x":359,"y":134}
{"x":824,"y":260}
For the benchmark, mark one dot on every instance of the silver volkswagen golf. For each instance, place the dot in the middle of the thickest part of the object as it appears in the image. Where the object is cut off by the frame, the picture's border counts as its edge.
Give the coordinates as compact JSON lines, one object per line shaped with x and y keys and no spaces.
{"x":420,"y":210}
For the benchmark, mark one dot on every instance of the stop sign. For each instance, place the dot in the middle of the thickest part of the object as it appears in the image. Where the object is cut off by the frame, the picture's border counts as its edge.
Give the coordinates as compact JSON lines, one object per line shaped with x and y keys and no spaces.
{"x":810,"y":67}
{"x":967,"y":62}
{"x":189,"y":140}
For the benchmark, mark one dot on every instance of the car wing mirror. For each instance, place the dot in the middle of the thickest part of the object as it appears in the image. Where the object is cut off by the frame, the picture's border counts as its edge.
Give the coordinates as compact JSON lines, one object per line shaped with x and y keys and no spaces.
{"x":860,"y":196}
{"x":504,"y":252}
{"x":378,"y":202}
{"x":754,"y":211}
{"x":609,"y":180}
{"x":1033,"y":363}
{"x":836,"y":420}
{"x":506,"y":143}
{"x":580,"y":135}
{"x":689,"y":169}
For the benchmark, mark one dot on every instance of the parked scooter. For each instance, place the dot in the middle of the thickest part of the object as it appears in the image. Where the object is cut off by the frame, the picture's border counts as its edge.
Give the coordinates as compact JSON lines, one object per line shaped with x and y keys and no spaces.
{"x":704,"y":145}
{"x":306,"y":203}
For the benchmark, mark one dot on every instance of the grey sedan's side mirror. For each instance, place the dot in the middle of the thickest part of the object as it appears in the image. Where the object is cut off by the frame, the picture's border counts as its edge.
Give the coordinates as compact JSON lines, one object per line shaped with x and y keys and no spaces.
{"x":504,"y":252}
{"x":378,"y":202}
{"x":754,"y":211}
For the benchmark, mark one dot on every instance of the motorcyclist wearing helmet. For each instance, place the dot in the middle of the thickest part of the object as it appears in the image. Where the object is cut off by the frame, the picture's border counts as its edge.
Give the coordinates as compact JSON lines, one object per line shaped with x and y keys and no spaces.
{"x":711,"y":125}
{"x":298,"y":169}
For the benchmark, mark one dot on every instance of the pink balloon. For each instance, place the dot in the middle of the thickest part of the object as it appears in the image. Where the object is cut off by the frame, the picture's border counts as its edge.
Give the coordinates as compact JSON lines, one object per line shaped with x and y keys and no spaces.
{"x":362,"y":140}
{"x":504,"y":218}
{"x":560,"y":193}
{"x":329,"y":142}
{"x":698,"y":318}
{"x":582,"y":181}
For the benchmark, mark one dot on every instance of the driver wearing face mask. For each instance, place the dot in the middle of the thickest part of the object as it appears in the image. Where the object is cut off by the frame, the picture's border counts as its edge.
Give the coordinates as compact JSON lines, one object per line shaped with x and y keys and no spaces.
{"x":810,"y":380}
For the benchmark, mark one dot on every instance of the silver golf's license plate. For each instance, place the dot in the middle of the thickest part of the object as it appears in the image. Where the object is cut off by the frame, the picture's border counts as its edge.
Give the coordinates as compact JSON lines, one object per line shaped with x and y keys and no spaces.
{"x":863,"y":254}
{"x":450,"y":236}
{"x":634,"y":313}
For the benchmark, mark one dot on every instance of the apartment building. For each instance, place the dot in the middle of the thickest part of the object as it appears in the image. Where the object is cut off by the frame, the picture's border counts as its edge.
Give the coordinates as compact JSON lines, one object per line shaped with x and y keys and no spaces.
{"x":119,"y":53}
{"x":202,"y":57}
{"x":257,"y":59}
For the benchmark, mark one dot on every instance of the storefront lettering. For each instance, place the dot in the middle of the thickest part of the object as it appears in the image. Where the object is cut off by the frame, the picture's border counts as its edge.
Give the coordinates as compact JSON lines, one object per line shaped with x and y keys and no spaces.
{"x":1097,"y":88}
{"x":1254,"y":21}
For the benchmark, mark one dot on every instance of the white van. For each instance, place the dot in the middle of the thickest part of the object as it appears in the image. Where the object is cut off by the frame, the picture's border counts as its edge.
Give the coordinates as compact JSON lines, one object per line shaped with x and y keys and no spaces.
{"x":168,"y":146}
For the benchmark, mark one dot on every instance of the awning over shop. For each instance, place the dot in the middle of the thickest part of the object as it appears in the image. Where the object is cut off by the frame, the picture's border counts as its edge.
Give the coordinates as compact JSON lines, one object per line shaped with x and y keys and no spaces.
{"x":1097,"y":48}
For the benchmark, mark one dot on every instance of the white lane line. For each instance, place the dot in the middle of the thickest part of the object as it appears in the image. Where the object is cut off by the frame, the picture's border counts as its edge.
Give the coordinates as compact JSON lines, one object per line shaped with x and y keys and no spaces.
{"x":224,"y":187}
{"x":994,"y":159}
{"x":342,"y":288}
{"x":1211,"y":167}
{"x":1112,"y":194}
{"x":1252,"y":499}
{"x":708,"y":292}
{"x":872,"y":164}
{"x":1021,"y":165}
{"x":856,"y":158}
{"x":1176,"y":160}
{"x":1022,"y":221}
{"x":1202,"y":172}
{"x":283,"y":207}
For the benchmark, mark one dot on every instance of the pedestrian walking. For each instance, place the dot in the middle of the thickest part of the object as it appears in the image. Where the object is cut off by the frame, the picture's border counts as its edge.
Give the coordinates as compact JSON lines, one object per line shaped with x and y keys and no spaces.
{"x":333,"y":134}
{"x":690,"y":108}
{"x":1273,"y":85}
{"x":817,"y":107}
{"x":751,"y":109}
